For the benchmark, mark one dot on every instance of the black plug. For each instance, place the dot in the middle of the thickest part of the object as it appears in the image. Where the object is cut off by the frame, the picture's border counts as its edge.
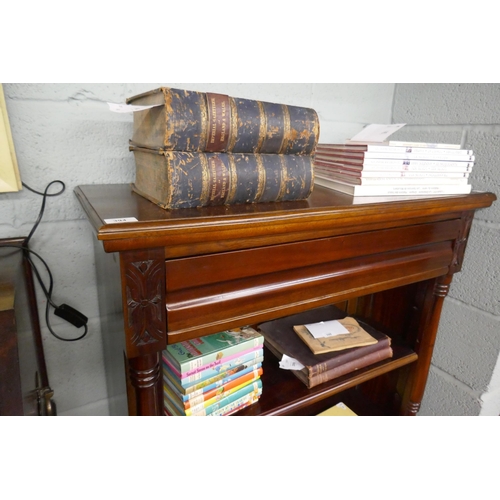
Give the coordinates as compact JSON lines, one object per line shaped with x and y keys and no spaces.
{"x":71,"y":315}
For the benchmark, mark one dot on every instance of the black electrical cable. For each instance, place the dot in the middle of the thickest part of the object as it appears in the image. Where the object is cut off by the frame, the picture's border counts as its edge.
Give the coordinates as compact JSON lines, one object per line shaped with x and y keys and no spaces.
{"x":64,"y":311}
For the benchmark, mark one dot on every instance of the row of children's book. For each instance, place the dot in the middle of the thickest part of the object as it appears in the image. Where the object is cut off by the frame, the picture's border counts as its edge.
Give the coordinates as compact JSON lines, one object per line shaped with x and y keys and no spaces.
{"x":220,"y":374}
{"x":215,"y":375}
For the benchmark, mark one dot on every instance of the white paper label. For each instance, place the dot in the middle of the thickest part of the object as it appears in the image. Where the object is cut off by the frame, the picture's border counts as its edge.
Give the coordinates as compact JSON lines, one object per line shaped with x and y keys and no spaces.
{"x":326,"y":329}
{"x":376,"y":132}
{"x":119,"y":221}
{"x":129,"y":108}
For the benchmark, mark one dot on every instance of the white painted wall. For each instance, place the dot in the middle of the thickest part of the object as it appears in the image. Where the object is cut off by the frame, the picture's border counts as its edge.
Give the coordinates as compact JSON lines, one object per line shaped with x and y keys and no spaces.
{"x":465,"y":373}
{"x":66,"y":132}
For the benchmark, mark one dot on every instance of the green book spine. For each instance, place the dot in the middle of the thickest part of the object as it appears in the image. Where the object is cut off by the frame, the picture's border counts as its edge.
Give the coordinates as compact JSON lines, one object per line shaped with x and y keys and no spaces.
{"x":191,"y":355}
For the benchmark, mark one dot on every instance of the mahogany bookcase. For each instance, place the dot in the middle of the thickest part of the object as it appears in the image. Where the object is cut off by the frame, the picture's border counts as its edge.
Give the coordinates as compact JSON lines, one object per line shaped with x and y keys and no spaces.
{"x":166,"y":276}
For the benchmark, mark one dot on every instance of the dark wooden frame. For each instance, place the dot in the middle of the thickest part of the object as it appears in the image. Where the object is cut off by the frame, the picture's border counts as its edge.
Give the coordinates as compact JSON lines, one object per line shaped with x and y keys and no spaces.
{"x":175,"y":275}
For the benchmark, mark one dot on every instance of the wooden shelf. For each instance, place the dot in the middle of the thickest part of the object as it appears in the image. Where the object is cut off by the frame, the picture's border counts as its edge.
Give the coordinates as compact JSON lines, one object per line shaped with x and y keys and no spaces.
{"x":284,"y":394}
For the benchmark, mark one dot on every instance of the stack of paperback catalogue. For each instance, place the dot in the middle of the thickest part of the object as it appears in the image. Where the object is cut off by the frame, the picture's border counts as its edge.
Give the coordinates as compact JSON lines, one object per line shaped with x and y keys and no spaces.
{"x":407,"y":169}
{"x":198,"y":149}
{"x":215,"y":375}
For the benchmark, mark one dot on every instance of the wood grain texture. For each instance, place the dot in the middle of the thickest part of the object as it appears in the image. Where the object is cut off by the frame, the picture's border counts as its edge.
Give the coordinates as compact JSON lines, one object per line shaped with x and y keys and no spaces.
{"x":212,"y":268}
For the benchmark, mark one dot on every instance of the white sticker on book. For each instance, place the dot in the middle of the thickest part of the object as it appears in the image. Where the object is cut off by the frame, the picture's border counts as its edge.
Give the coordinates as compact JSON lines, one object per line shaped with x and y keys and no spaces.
{"x":129,"y":108}
{"x":288,"y":363}
{"x":377,"y":132}
{"x":325,"y":329}
{"x":120,"y":221}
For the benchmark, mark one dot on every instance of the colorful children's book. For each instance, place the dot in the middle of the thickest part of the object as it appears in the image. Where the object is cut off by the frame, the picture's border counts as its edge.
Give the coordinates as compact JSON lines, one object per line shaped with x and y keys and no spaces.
{"x":251,"y":392}
{"x":217,"y":387}
{"x":201,"y":406}
{"x":189,"y":355}
{"x":196,"y":388}
{"x":254,"y":356}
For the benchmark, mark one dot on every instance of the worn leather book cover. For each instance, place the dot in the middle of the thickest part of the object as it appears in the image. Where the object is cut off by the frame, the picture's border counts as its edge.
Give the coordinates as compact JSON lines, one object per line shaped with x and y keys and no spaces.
{"x":351,"y":366}
{"x":280,"y":338}
{"x":184,"y":120}
{"x":177,"y":179}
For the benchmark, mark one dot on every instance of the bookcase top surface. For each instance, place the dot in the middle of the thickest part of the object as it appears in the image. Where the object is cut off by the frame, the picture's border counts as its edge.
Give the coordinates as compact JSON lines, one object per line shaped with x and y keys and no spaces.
{"x":117,"y":213}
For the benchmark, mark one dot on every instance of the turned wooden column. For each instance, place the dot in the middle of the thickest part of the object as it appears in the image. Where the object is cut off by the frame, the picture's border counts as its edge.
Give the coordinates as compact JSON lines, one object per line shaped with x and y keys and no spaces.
{"x":424,"y":346}
{"x":143,"y":296}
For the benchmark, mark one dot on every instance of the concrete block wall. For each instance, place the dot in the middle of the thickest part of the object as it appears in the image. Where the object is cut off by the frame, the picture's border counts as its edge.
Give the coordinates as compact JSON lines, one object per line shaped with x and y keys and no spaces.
{"x":66,"y":132}
{"x":465,"y":373}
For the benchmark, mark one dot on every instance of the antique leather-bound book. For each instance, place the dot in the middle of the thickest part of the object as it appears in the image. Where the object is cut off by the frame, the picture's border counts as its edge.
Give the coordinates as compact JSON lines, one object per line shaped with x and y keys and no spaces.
{"x":280,"y":338}
{"x":193,"y":121}
{"x":177,"y":179}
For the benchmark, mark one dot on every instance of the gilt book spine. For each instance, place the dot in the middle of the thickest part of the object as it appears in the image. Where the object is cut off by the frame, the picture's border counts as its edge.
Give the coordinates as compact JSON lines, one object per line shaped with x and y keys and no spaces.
{"x":184,"y":120}
{"x":176,"y":179}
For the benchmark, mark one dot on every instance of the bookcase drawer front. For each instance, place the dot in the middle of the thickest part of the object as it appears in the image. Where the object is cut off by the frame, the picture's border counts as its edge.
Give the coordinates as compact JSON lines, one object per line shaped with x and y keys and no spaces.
{"x":209,"y":293}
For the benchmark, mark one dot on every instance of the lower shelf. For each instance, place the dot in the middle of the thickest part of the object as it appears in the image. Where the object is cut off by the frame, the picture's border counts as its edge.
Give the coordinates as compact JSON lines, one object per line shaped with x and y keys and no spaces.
{"x":284,"y":394}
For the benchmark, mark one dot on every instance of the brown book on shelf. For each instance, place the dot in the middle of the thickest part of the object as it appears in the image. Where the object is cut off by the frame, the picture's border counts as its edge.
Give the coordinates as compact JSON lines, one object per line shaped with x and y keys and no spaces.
{"x":185,"y":120}
{"x":176,"y":179}
{"x":280,"y":338}
{"x":304,"y":375}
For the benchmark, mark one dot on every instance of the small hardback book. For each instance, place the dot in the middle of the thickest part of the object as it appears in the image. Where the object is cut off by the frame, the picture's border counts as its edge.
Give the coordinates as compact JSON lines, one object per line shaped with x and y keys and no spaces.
{"x":220,"y":391}
{"x":177,"y":179}
{"x":357,"y":336}
{"x":197,"y":387}
{"x":186,"y":120}
{"x":195,"y":407}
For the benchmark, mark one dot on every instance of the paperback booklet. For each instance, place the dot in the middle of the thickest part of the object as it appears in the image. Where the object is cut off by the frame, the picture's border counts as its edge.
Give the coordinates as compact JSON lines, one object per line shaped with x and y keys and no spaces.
{"x":393,"y":190}
{"x":339,"y":410}
{"x":356,"y":336}
{"x":393,"y":149}
{"x":189,"y":355}
{"x":393,"y":164}
{"x":452,"y":154}
{"x":401,"y":180}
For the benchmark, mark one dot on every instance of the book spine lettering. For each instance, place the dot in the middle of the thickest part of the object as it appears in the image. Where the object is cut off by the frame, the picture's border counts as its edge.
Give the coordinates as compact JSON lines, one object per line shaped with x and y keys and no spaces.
{"x":222,"y":390}
{"x":253,"y":357}
{"x":198,"y":121}
{"x":219,"y":126}
{"x":221,"y":385}
{"x":256,"y":351}
{"x":220,"y":405}
{"x":189,"y":180}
